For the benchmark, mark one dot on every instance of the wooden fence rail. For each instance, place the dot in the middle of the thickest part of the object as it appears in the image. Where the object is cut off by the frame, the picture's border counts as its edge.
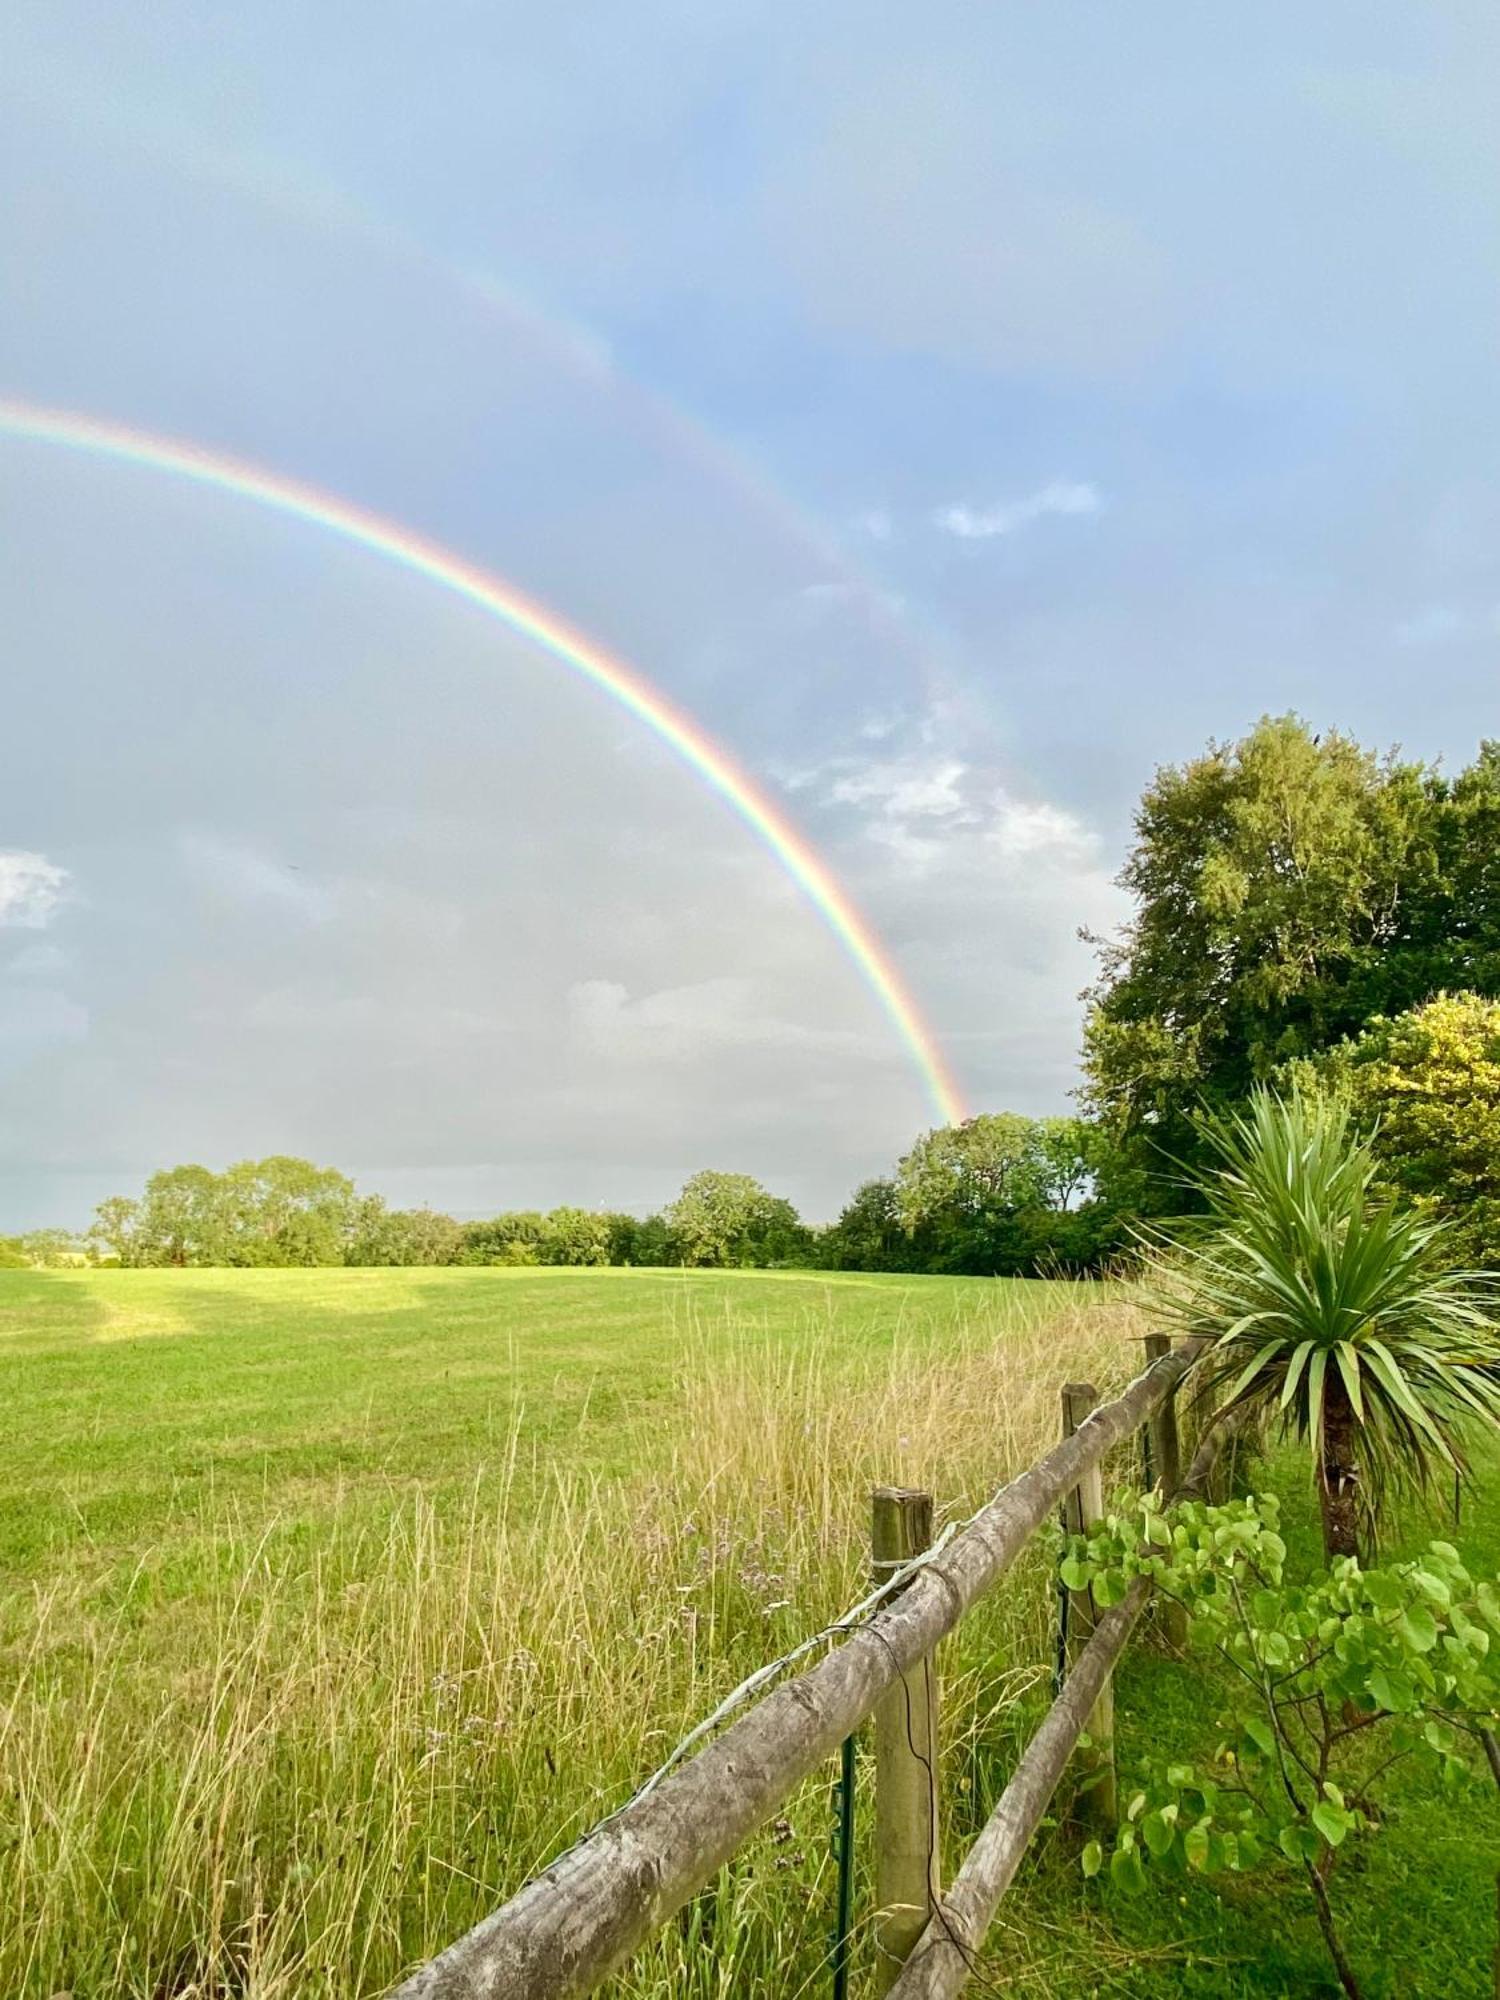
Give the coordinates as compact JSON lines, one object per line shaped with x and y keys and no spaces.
{"x":944,"y":1955}
{"x":574,"y":1923}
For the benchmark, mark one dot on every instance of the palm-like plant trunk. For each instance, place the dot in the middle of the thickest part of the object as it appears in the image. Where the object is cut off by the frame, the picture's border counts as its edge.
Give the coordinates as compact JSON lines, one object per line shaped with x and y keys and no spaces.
{"x":1338,"y":1471}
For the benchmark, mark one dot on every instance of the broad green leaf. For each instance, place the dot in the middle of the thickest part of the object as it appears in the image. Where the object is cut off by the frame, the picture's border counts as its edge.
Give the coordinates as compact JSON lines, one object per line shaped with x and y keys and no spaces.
{"x":1419,"y":1628}
{"x":1093,"y":1858}
{"x":1157,"y":1834}
{"x":1195,"y":1846}
{"x":1276,"y":1649}
{"x":1260,"y":1733}
{"x":1331,"y":1821}
{"x":1126,"y":1872}
{"x":1383,"y":1590}
{"x":1432,"y":1588}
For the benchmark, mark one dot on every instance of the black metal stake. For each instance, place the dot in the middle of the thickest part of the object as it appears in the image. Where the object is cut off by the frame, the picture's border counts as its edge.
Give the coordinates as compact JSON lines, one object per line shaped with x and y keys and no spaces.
{"x":843,"y":1854}
{"x":1064,"y":1599}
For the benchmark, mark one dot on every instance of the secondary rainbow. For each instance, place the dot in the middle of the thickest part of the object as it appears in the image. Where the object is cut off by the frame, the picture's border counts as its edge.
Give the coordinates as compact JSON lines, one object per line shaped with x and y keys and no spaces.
{"x":714,"y":765}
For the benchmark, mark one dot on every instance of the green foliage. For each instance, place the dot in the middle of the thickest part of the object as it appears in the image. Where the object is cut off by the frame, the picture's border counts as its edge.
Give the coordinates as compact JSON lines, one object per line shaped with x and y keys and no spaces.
{"x":1332,"y":1310}
{"x":577,"y":1236}
{"x":402,"y":1236}
{"x":1000,"y":1194}
{"x":513,"y":1238}
{"x":1335,"y":1684}
{"x":726,"y":1220}
{"x":1428,"y":1083}
{"x":1287,"y":887}
{"x":869,"y":1235}
{"x":278,"y":1211}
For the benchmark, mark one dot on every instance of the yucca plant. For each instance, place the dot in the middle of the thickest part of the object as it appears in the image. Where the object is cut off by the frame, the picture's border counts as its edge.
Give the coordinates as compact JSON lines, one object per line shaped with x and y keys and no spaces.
{"x":1333,"y":1310}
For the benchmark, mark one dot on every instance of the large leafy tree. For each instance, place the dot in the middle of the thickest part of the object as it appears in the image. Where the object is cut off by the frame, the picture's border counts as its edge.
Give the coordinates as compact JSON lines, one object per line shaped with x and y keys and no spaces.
{"x":1287,"y":887}
{"x":401,"y":1236}
{"x":577,"y":1236}
{"x":1002,"y":1194}
{"x":274,"y":1211}
{"x":1451,"y":936}
{"x":869,"y":1234}
{"x":283,"y":1211}
{"x":730,"y":1219}
{"x":1332,"y":1309}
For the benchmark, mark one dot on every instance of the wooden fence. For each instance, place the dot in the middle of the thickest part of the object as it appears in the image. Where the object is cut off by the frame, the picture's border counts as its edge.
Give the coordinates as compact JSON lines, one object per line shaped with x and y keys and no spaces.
{"x":578,"y":1920}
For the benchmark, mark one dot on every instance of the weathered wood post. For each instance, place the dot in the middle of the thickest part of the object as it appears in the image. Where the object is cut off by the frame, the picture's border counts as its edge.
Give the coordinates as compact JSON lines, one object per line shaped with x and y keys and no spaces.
{"x":1098,"y":1800}
{"x":1166,"y":1449}
{"x":908,"y":1861}
{"x":1166,"y":1445}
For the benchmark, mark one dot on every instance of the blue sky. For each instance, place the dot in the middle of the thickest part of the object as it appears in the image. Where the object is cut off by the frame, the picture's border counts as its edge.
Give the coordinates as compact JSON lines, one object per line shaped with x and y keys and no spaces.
{"x":960,"y":410}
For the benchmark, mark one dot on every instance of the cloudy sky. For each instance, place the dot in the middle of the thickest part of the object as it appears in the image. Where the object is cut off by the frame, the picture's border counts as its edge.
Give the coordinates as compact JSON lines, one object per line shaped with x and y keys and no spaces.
{"x":959,"y":410}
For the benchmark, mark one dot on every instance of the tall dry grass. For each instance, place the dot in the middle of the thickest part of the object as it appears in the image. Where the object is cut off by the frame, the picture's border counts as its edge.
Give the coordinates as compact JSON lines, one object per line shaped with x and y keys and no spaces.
{"x":292,"y":1757}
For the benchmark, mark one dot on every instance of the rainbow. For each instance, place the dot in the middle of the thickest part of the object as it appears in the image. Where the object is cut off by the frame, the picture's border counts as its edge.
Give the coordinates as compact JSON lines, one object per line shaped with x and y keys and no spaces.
{"x":697,"y":749}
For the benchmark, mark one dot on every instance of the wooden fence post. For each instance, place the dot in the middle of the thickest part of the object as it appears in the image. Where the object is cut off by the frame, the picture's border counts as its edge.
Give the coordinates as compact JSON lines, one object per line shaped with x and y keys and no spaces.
{"x":1166,"y":1446}
{"x":1166,"y":1449}
{"x":1098,"y":1800}
{"x":908,"y":1861}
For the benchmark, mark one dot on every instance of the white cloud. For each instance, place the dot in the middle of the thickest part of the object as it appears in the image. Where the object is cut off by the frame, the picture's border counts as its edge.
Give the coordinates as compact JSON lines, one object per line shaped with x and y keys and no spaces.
{"x":1059,"y":496}
{"x":905,"y":788}
{"x":690,"y":1023}
{"x":31,"y":887}
{"x":877,"y":524}
{"x":930,"y":809}
{"x":1021,"y":829}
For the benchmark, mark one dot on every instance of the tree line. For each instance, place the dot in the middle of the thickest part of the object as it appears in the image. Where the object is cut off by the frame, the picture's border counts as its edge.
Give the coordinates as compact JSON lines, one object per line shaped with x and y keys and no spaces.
{"x":1306,"y":912}
{"x":940,"y":1211}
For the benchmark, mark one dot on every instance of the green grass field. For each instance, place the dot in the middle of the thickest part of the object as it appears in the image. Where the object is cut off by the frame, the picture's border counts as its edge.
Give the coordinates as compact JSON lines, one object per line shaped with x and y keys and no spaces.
{"x":332,"y":1604}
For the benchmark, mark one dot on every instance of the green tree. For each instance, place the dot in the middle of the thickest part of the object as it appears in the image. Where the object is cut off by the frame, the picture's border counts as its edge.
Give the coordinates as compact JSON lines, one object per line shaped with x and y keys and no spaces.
{"x":1428,"y":1083}
{"x":972,"y":1172}
{"x":183,"y":1219}
{"x":647,"y":1243}
{"x":1332,"y":1310}
{"x":286,"y":1211}
{"x":512,"y":1238}
{"x":1451,"y":937}
{"x":731,"y":1220}
{"x":274,"y":1211}
{"x":576,"y":1236}
{"x":1331,"y":1685}
{"x":1284,"y":886}
{"x":401,"y":1236}
{"x":52,"y":1249}
{"x":1004,"y":1194}
{"x":870,"y":1234}
{"x":116,"y":1227}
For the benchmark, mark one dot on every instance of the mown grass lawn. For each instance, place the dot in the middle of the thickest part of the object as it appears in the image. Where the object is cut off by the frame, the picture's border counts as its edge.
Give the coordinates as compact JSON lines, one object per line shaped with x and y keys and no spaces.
{"x":332,"y":1604}
{"x":132,"y":1397}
